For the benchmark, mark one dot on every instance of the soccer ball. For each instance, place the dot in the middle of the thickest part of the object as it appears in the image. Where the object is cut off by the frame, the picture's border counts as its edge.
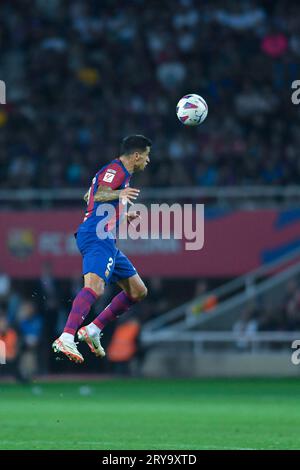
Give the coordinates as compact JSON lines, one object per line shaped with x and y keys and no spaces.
{"x":191,"y":110}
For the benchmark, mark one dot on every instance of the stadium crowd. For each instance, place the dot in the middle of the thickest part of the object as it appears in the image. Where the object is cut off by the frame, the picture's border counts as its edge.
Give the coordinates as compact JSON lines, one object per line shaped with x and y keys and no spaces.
{"x":81,"y":74}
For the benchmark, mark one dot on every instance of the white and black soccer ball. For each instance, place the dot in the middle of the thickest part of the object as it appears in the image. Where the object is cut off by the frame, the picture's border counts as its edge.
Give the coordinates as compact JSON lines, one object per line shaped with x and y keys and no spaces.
{"x":191,"y":110}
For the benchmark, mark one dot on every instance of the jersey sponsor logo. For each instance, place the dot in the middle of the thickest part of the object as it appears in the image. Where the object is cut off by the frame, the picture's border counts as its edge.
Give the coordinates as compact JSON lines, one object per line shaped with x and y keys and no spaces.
{"x":108,"y":177}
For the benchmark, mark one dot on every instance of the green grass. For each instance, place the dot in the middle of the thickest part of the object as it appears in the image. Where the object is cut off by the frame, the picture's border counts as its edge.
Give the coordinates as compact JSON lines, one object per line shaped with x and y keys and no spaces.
{"x":151,"y":414}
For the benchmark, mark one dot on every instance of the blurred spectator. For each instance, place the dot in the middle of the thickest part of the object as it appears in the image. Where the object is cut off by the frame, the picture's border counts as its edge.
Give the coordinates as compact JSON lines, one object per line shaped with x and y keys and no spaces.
{"x":13,"y":305}
{"x":9,"y":337}
{"x":208,"y":301}
{"x":49,"y":295}
{"x":275,"y":44}
{"x":30,"y":324}
{"x":124,"y":345}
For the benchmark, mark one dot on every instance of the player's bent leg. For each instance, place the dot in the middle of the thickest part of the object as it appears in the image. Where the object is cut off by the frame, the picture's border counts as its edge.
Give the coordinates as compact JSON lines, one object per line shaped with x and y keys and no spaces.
{"x":133,"y":291}
{"x":94,"y":282}
{"x":89,"y":335}
{"x":65,"y":344}
{"x":134,"y":287}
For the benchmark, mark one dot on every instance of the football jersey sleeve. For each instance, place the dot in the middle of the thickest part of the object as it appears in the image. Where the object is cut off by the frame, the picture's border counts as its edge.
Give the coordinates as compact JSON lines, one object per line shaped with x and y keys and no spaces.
{"x":112,"y":177}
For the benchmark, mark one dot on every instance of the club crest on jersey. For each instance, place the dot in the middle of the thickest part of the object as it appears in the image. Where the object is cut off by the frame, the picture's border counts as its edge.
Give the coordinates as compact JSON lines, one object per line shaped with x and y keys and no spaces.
{"x":109,"y":176}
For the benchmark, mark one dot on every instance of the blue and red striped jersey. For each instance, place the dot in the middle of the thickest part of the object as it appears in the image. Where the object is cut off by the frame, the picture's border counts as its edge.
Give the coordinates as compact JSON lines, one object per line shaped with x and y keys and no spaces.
{"x":115,"y":176}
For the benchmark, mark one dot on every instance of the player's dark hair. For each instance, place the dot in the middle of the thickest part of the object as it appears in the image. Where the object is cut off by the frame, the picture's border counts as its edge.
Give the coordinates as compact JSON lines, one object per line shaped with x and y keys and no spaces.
{"x":134,"y":143}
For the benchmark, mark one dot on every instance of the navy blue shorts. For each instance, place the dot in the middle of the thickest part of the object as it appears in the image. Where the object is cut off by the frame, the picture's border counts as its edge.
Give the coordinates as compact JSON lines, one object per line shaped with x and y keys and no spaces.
{"x":103,"y":258}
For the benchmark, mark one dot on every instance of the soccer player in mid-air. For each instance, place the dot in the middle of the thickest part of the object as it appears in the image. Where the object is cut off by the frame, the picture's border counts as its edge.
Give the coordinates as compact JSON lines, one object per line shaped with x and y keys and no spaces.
{"x":103,"y":262}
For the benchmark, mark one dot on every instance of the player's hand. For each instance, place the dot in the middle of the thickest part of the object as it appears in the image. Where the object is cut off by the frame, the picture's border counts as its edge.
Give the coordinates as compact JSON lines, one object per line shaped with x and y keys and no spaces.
{"x":132,"y":216}
{"x":129,"y":194}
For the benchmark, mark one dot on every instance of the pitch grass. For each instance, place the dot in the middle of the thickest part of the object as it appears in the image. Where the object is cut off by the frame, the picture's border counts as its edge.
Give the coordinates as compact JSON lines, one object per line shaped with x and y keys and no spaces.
{"x":151,"y":414}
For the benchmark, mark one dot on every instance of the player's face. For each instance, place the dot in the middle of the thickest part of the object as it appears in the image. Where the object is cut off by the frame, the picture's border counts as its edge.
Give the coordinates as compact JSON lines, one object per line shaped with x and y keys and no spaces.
{"x":142,"y":160}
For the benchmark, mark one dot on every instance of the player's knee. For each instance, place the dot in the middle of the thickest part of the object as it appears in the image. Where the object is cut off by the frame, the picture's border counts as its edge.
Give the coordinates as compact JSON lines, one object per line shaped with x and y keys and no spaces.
{"x":98,"y":289}
{"x":95,"y":283}
{"x":140,"y":294}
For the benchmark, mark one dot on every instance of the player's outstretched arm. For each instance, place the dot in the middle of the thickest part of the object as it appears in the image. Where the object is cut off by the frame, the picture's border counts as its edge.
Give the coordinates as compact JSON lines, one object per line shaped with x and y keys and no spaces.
{"x":105,"y":194}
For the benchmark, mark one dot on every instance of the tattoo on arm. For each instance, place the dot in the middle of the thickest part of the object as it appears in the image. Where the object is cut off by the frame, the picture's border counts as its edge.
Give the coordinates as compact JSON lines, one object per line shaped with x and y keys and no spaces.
{"x":105,"y":194}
